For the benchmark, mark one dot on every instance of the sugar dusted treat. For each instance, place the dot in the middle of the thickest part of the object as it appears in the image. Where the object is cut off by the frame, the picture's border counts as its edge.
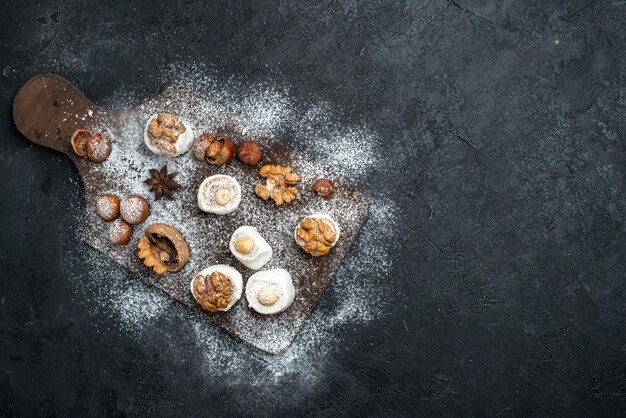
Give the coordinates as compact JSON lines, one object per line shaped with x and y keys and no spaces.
{"x":217,"y":288}
{"x":98,"y":148}
{"x":214,"y":149}
{"x":163,"y":248}
{"x":168,"y":135}
{"x":270,"y":292}
{"x":219,"y":194}
{"x":134,"y":209}
{"x":250,"y":248}
{"x":120,"y":232}
{"x":317,"y":234}
{"x":108,"y":207}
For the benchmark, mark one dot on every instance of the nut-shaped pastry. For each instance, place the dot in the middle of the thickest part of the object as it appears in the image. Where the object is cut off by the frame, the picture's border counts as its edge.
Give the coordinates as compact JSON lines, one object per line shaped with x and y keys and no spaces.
{"x":168,"y":135}
{"x":163,"y":248}
{"x":108,"y":207}
{"x":270,"y":292}
{"x":215,"y":149}
{"x":98,"y":147}
{"x":217,"y":288}
{"x":249,"y":152}
{"x":134,"y":209}
{"x":278,"y":185}
{"x":120,"y":232}
{"x":250,"y":248}
{"x":317,"y":234}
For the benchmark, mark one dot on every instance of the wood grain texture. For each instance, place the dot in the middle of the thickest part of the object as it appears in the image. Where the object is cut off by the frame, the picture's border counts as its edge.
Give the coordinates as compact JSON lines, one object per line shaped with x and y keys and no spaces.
{"x":48,"y":109}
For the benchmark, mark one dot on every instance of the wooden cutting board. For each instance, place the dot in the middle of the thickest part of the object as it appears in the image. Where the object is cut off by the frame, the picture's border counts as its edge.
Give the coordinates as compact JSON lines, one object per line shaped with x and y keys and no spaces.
{"x":48,"y":109}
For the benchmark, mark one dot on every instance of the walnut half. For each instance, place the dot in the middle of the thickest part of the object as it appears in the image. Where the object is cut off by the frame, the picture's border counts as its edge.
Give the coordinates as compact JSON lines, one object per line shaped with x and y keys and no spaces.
{"x":163,"y":248}
{"x":278,"y":185}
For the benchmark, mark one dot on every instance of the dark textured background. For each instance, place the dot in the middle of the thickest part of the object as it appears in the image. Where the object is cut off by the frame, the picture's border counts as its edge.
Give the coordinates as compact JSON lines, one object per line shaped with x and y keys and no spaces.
{"x":508,"y":117}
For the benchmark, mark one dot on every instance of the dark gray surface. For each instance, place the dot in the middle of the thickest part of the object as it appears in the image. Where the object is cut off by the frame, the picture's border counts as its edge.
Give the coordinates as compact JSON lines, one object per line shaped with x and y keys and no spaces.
{"x":507,"y":116}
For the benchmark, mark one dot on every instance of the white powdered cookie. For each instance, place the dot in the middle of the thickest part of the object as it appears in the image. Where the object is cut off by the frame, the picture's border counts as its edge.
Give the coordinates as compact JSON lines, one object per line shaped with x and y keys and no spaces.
{"x":250,"y":248}
{"x":219,"y":194}
{"x":270,"y":292}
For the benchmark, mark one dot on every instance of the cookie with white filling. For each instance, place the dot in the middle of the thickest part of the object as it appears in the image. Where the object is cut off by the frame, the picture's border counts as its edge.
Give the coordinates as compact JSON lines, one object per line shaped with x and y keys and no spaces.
{"x":219,"y":194}
{"x":250,"y":248}
{"x":270,"y":292}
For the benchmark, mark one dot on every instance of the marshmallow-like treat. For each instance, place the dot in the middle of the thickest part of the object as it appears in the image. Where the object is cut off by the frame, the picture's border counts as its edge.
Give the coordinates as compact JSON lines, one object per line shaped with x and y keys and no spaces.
{"x":250,"y":248}
{"x":168,"y":135}
{"x":219,"y":194}
{"x":270,"y":292}
{"x":317,"y":234}
{"x":217,"y":288}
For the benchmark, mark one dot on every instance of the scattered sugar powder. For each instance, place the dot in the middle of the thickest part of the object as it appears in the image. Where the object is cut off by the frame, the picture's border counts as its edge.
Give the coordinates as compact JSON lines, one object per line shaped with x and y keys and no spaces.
{"x":315,"y":130}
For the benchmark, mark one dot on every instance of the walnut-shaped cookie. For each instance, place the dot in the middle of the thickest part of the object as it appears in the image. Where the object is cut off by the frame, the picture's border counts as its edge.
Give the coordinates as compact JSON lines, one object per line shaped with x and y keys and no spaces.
{"x":217,"y":288}
{"x":270,"y":292}
{"x":317,"y":234}
{"x":168,"y":135}
{"x":278,"y":185}
{"x":163,"y":248}
{"x":79,"y":141}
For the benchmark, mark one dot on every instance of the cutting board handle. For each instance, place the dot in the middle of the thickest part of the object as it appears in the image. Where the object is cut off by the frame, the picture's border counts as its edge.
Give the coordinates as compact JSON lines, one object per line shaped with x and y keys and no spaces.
{"x":48,"y":109}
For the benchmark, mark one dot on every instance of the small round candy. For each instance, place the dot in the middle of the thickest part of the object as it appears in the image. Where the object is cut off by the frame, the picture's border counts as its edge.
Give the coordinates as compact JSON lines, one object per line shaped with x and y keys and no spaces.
{"x":120,"y":232}
{"x":98,"y":148}
{"x":134,"y":209}
{"x":108,"y":207}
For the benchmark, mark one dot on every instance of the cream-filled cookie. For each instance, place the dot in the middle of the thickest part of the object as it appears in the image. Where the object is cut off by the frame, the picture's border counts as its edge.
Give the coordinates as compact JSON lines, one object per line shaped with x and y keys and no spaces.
{"x":250,"y":248}
{"x":168,"y":135}
{"x":217,"y":288}
{"x":219,"y":194}
{"x":270,"y":292}
{"x":317,"y":234}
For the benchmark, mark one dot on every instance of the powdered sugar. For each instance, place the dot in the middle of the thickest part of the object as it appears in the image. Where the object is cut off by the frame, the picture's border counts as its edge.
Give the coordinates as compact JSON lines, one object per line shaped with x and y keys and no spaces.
{"x":317,"y":132}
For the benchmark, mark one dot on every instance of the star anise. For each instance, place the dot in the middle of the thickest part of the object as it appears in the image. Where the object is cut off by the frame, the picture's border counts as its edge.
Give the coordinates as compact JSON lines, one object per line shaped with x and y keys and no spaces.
{"x":162,"y":183}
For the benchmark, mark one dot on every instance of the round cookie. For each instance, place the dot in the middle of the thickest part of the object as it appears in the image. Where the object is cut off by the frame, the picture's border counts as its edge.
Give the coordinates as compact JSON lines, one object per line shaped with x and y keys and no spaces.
{"x":219,"y":194}
{"x":270,"y":292}
{"x":168,"y":135}
{"x":250,"y":248}
{"x":108,"y":207}
{"x":134,"y":209}
{"x":316,"y":234}
{"x":233,"y":276}
{"x":120,"y":232}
